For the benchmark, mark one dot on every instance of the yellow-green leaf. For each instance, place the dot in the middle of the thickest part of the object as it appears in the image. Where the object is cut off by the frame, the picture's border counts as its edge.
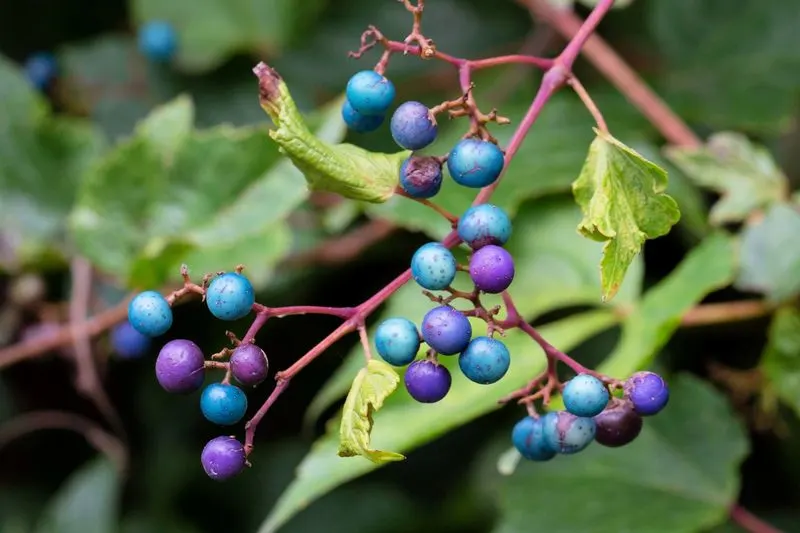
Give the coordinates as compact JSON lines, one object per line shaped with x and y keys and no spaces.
{"x":622,"y":198}
{"x":344,"y":169}
{"x":372,"y":385}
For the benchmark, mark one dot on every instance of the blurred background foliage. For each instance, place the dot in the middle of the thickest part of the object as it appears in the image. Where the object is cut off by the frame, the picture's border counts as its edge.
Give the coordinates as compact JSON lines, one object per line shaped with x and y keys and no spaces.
{"x":77,"y":182}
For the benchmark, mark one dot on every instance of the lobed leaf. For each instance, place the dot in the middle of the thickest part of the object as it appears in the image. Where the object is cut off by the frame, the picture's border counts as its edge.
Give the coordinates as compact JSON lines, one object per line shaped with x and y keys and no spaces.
{"x":371,"y":386}
{"x":744,"y":174}
{"x":623,"y":202}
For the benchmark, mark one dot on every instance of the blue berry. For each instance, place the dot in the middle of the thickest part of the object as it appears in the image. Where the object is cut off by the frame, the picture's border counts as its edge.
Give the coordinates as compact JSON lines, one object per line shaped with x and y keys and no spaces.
{"x":484,"y":224}
{"x":433,"y":266}
{"x":397,"y":341}
{"x":446,"y":330}
{"x":370,"y":93}
{"x":223,"y":404}
{"x":230,"y":296}
{"x":566,"y":433}
{"x":528,"y":438}
{"x":648,"y":392}
{"x":427,"y":381}
{"x":129,"y":343}
{"x":585,"y":395}
{"x":158,"y":41}
{"x":41,"y":69}
{"x":475,"y":163}
{"x":412,"y":126}
{"x":485,"y":360}
{"x":358,"y":122}
{"x":150,"y":314}
{"x":421,"y":176}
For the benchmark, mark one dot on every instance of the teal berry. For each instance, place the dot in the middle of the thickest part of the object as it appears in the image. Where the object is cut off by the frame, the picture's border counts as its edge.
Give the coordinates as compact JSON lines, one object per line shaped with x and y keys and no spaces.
{"x":475,"y":163}
{"x":412,"y":126}
{"x":485,"y":360}
{"x":585,"y":395}
{"x":230,"y":296}
{"x":528,"y":438}
{"x":566,"y":433}
{"x":158,"y":41}
{"x":484,"y":224}
{"x":397,"y":341}
{"x":370,"y":93}
{"x":150,"y":314}
{"x":223,"y":404}
{"x":433,"y":266}
{"x":358,"y":122}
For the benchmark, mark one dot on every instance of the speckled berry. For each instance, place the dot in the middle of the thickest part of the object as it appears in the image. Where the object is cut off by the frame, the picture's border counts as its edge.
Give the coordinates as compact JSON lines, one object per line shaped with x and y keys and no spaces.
{"x":566,"y":433}
{"x":485,"y":360}
{"x":528,"y":438}
{"x":358,"y":122}
{"x":427,"y":382}
{"x":412,"y":125}
{"x":129,"y":343}
{"x":618,"y":425}
{"x":484,"y":224}
{"x":223,"y":404}
{"x":223,"y":458}
{"x":370,"y":93}
{"x":446,"y":330}
{"x":397,"y":341}
{"x":180,"y":367}
{"x":249,"y":364}
{"x":585,"y":395}
{"x":475,"y":163}
{"x":433,"y":266}
{"x":421,"y":176}
{"x":230,"y":296}
{"x":150,"y":314}
{"x":491,"y":269}
{"x":648,"y":392}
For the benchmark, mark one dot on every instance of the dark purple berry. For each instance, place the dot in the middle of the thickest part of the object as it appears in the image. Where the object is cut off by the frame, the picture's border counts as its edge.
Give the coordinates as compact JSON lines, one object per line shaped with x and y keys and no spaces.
{"x":648,"y":392}
{"x":223,"y":458}
{"x":618,"y":425}
{"x":427,"y":381}
{"x":421,"y":176}
{"x":180,"y":367}
{"x":491,"y":269}
{"x":249,"y":365}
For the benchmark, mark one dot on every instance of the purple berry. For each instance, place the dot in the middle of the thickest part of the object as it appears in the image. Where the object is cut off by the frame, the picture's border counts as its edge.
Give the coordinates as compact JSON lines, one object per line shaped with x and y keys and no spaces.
{"x":249,"y":365}
{"x":446,"y":330}
{"x":412,"y":126}
{"x":223,"y":458}
{"x":427,"y":381}
{"x":491,"y":269}
{"x":648,"y":392}
{"x":421,"y":176}
{"x":618,"y":425}
{"x":129,"y":343}
{"x":180,"y":367}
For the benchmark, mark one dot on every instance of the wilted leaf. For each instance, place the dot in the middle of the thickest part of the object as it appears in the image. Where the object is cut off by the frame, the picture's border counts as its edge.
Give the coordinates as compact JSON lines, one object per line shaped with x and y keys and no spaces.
{"x":623,"y":202}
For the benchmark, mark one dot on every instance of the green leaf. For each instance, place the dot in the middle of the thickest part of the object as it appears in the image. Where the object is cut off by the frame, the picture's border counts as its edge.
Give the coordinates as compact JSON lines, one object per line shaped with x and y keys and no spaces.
{"x":405,"y":424}
{"x":171,"y":194}
{"x":680,"y":475}
{"x":88,"y":502}
{"x":651,"y":322}
{"x":744,"y":174}
{"x":720,"y":68}
{"x":623,"y":202}
{"x":371,"y":386}
{"x":210,"y":31}
{"x":770,"y":253}
{"x":781,"y":360}
{"x":43,"y":159}
{"x":345,"y":169}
